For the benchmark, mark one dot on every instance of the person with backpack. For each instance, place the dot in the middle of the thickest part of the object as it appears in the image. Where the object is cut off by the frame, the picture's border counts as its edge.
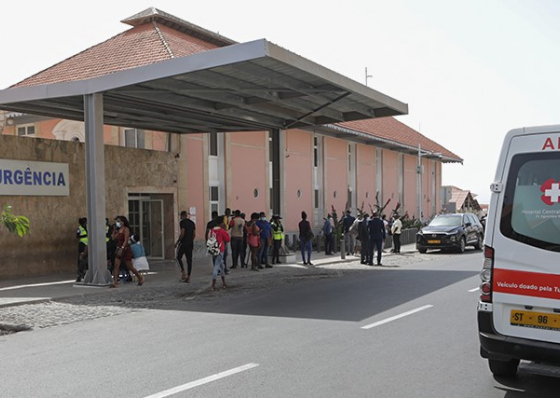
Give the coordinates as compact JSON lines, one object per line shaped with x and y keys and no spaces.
{"x":218,"y":238}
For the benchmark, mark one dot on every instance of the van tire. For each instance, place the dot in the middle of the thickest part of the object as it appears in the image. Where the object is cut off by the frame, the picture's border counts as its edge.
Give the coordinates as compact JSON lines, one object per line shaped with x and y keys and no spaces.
{"x":423,"y":251}
{"x":478,"y":244}
{"x":462,"y":244}
{"x":503,"y":368}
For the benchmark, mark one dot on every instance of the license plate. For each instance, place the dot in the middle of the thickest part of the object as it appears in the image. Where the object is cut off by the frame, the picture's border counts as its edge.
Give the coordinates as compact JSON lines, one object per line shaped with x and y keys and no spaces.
{"x":436,"y":242}
{"x":537,"y":320}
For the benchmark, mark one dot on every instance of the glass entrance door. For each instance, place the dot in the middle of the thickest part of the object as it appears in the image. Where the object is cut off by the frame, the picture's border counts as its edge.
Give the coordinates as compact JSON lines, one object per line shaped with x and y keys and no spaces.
{"x":146,"y":218}
{"x":152,"y":227}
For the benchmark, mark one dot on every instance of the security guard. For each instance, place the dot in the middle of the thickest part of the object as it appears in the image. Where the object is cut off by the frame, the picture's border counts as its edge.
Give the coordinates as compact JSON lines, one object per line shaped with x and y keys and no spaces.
{"x":82,"y":236}
{"x":277,"y":238}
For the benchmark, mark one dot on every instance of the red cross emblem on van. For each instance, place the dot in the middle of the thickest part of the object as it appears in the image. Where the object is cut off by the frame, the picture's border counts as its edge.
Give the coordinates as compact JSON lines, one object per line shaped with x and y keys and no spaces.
{"x":551,"y":192}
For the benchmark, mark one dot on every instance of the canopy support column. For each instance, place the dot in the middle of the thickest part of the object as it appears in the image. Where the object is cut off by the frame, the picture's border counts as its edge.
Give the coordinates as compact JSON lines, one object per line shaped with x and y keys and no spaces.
{"x":98,"y":274}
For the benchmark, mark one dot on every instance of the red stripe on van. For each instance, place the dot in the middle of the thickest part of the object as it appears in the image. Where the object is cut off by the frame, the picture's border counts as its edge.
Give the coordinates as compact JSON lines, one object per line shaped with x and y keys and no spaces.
{"x":526,"y":283}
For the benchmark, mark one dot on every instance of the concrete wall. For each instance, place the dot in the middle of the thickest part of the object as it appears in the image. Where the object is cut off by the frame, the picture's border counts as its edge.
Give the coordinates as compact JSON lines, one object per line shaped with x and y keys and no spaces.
{"x":51,"y":246}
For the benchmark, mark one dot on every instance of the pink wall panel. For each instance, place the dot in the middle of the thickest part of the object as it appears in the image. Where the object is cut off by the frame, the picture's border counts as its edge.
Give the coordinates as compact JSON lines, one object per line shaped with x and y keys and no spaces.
{"x":410,"y":194}
{"x":365,"y":180}
{"x":336,"y":175}
{"x":248,"y":172}
{"x":298,"y":175}
{"x":159,"y":140}
{"x":195,"y":178}
{"x":390,"y":179}
{"x":47,"y":127}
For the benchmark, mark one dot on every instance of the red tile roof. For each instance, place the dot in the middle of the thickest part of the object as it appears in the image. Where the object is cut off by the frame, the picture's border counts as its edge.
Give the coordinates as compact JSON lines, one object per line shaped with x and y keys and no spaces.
{"x":389,"y":128}
{"x":141,"y":45}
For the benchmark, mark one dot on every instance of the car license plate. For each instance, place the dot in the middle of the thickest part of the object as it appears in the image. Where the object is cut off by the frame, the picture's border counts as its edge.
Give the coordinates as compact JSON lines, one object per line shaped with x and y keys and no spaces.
{"x":538,"y":320}
{"x":434,"y":242}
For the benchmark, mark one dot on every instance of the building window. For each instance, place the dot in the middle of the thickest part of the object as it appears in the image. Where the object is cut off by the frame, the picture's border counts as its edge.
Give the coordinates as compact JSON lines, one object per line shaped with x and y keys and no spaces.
{"x":214,"y":199}
{"x":28,"y":130}
{"x":315,"y":151}
{"x":134,"y":138}
{"x":214,"y":194}
{"x":213,"y":147}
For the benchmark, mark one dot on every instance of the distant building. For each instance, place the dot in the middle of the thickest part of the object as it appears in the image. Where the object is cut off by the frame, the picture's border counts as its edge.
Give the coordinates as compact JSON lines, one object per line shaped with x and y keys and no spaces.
{"x":457,"y":200}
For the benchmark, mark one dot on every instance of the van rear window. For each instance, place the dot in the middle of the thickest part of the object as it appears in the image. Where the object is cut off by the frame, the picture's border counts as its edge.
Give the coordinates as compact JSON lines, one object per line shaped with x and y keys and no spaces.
{"x":531,"y":208}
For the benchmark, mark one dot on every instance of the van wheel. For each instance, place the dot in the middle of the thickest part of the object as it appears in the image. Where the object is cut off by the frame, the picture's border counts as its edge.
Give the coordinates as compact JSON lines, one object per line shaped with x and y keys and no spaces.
{"x":423,"y":251}
{"x":478,"y":244}
{"x":503,"y":368}
{"x":462,"y":244}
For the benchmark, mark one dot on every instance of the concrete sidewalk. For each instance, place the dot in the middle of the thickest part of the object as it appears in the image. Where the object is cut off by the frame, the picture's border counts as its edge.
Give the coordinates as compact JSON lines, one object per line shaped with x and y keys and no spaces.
{"x":60,"y":286}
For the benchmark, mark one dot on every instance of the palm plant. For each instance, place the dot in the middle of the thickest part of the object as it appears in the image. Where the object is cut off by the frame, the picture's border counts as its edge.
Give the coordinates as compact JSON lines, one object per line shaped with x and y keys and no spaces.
{"x":14,"y":224}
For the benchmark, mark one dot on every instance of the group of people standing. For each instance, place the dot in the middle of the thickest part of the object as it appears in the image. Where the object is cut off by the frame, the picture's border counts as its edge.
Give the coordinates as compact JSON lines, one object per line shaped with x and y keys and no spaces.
{"x":372,"y":232}
{"x":122,"y":248}
{"x":232,"y":234}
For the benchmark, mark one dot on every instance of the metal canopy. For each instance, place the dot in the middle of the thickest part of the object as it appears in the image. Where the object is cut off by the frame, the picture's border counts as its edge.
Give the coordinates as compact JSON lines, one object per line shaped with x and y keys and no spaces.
{"x":250,"y":86}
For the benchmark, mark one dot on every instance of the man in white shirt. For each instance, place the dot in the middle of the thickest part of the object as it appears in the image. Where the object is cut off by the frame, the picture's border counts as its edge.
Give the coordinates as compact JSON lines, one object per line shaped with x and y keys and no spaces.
{"x":396,"y":230}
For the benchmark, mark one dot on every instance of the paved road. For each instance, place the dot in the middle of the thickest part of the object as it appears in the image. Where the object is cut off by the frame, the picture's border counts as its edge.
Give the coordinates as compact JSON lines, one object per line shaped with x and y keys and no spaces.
{"x":339,"y":330}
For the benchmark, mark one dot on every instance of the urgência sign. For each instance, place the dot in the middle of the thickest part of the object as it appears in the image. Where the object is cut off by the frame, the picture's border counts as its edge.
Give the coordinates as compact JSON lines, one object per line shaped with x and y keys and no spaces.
{"x":27,"y":178}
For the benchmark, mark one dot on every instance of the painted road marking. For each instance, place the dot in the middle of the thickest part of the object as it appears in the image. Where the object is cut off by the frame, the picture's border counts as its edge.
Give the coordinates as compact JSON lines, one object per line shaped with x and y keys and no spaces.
{"x":200,"y":382}
{"x":37,"y":285}
{"x":474,"y":290}
{"x":393,"y":318}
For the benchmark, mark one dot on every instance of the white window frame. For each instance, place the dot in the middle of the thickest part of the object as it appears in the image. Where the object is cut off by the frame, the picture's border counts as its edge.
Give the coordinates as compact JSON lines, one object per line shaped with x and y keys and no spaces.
{"x":26,"y":127}
{"x":137,"y":132}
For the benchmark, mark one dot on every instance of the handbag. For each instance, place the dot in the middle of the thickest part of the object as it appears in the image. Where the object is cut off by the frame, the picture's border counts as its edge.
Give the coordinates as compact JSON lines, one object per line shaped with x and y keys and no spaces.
{"x":141,"y":263}
{"x":310,"y":235}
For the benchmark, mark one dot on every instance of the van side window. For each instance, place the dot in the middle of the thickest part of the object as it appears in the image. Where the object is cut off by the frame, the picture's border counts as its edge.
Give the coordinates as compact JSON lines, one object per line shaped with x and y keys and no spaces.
{"x":531,"y":206}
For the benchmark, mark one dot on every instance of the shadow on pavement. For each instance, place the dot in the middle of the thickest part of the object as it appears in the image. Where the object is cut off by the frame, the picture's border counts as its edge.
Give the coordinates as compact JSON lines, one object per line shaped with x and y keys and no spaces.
{"x":357,"y":296}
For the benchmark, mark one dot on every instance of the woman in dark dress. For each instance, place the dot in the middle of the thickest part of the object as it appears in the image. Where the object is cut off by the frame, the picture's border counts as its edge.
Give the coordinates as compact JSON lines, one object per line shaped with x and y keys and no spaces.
{"x":121,"y":234}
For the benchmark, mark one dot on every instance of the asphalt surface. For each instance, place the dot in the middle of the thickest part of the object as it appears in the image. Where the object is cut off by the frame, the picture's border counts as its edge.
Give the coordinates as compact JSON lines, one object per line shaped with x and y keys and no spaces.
{"x":339,"y":329}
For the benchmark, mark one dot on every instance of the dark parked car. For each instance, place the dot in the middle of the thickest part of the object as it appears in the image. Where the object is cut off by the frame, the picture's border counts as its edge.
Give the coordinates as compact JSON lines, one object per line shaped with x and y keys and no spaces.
{"x":451,"y":231}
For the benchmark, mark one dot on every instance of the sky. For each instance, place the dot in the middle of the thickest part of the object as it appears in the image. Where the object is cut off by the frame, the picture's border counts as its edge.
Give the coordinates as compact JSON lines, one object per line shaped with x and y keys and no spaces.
{"x":469,"y":71}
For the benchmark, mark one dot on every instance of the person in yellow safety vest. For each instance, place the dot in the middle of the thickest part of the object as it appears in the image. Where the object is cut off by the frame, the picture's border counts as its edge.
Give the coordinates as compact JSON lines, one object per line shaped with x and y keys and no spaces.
{"x":108,"y":232}
{"x":82,"y":236}
{"x":277,"y":238}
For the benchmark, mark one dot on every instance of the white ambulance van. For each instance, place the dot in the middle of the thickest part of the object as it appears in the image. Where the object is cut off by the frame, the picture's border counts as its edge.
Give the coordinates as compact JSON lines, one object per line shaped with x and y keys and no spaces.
{"x":519,"y":307}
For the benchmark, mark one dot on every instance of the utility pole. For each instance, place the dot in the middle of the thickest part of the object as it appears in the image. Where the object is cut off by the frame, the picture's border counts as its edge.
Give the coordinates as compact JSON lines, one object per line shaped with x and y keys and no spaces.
{"x":368,"y":76}
{"x":419,"y":181}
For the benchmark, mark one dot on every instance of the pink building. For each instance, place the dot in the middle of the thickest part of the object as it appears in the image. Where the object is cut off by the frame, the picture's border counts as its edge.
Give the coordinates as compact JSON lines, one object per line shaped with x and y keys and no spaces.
{"x":347,"y":165}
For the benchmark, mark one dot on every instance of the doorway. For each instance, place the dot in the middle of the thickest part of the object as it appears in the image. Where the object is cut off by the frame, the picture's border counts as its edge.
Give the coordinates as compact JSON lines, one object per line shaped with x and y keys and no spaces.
{"x":146,"y":218}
